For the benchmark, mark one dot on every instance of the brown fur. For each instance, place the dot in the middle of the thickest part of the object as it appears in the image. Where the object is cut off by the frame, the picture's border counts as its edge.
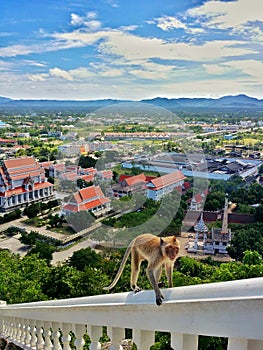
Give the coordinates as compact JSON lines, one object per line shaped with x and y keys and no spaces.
{"x":158,"y":252}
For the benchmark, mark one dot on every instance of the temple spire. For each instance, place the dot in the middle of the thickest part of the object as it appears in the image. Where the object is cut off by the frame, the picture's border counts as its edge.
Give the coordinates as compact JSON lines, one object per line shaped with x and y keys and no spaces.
{"x":225,"y":217}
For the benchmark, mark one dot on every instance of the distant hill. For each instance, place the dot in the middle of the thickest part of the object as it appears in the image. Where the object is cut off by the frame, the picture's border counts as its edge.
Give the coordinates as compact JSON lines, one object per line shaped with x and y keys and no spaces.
{"x":237,"y":102}
{"x":4,"y":99}
{"x":240,"y":101}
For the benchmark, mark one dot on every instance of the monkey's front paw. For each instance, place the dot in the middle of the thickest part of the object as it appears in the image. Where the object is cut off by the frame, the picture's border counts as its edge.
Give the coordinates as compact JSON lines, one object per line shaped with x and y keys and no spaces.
{"x":136,"y":289}
{"x":159,"y":299}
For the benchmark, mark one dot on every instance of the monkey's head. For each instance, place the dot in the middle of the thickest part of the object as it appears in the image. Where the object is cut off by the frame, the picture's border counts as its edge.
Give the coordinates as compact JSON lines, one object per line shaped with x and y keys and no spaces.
{"x":170,"y":247}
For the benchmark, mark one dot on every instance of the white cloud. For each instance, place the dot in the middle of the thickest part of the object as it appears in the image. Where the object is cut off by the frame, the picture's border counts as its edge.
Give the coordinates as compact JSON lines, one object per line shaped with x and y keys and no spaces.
{"x":249,"y":67}
{"x":227,"y":15}
{"x":76,"y":20}
{"x":134,"y":47}
{"x":89,"y":22}
{"x":214,"y":68}
{"x":169,"y":23}
{"x":35,"y":63}
{"x":60,"y":73}
{"x":113,"y":3}
{"x":38,"y":77}
{"x":81,"y":73}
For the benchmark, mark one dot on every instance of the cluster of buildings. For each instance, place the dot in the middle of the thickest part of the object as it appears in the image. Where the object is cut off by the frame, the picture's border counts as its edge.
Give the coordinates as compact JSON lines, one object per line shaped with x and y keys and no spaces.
{"x":23,"y":181}
{"x":92,"y":198}
{"x":206,"y":167}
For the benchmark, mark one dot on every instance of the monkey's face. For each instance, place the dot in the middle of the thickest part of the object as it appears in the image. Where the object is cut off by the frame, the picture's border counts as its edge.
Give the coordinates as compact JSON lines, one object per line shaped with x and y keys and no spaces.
{"x":171,"y":250}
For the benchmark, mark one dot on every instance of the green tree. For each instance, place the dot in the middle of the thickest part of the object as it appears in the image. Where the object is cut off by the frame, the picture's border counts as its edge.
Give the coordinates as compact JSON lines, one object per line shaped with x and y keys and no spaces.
{"x":85,"y":258}
{"x":32,"y":210}
{"x":252,"y":258}
{"x":43,"y":250}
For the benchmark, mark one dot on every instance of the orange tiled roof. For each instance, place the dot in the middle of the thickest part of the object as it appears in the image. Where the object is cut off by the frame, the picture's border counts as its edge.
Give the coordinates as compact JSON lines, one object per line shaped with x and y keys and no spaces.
{"x":166,"y":180}
{"x":19,"y":162}
{"x":135,"y":179}
{"x":88,"y":178}
{"x":87,"y":194}
{"x":19,"y":190}
{"x":95,"y":203}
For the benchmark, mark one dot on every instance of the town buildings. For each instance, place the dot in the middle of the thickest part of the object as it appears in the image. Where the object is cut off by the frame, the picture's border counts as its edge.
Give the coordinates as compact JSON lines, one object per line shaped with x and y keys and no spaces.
{"x":198,"y":166}
{"x":89,"y":199}
{"x":23,"y":181}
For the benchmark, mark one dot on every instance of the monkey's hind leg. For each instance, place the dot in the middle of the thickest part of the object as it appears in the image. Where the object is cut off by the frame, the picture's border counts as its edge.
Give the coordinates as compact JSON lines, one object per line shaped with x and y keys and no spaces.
{"x":135,"y":269}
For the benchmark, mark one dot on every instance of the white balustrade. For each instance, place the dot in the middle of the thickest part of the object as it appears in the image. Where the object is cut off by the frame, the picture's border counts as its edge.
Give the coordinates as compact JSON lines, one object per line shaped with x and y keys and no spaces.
{"x":233,"y":310}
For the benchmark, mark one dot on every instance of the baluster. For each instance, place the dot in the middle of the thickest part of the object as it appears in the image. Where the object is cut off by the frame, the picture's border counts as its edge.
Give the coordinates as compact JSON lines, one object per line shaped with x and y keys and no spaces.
{"x":33,"y":341}
{"x":3,"y":326}
{"x":56,"y":335}
{"x":237,"y":344}
{"x":39,"y":334}
{"x":79,"y":330}
{"x":47,"y":335}
{"x":28,"y":333}
{"x":255,"y":344}
{"x":181,"y":341}
{"x":19,"y":330}
{"x":95,"y":332}
{"x":116,"y":335}
{"x":66,"y":338}
{"x":143,"y":339}
{"x":12,"y":328}
{"x":23,"y":331}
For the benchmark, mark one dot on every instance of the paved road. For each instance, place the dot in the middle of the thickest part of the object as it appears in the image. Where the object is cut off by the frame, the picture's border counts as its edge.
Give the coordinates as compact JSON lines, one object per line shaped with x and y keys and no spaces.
{"x":65,"y":254}
{"x":14,"y":245}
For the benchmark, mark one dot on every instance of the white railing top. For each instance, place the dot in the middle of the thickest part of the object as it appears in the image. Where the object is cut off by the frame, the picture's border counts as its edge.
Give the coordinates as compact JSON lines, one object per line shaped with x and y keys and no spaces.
{"x":228,"y":309}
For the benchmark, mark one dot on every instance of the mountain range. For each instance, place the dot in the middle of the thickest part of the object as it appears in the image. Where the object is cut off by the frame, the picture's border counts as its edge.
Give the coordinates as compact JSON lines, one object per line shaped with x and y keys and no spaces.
{"x":238,"y":102}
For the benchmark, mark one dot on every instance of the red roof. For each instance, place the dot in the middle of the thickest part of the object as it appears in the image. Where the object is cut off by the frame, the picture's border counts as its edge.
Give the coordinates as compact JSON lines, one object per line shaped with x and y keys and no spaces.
{"x":166,"y":180}
{"x":88,"y":193}
{"x":19,"y":163}
{"x":187,"y":185}
{"x":19,"y":190}
{"x":94,"y":204}
{"x":87,"y":198}
{"x":135,"y":179}
{"x":88,"y":178}
{"x":123,"y":177}
{"x":197,"y":198}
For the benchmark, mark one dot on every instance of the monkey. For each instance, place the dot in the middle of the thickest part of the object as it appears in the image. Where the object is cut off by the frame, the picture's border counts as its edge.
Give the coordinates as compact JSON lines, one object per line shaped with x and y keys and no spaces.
{"x":158,"y":252}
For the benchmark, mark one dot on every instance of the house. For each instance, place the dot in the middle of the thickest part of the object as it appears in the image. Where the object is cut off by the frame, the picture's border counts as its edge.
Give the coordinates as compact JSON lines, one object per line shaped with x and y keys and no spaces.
{"x":160,"y":186}
{"x":23,"y":181}
{"x":198,"y":200}
{"x":89,"y":199}
{"x":105,"y":175}
{"x":128,"y":185}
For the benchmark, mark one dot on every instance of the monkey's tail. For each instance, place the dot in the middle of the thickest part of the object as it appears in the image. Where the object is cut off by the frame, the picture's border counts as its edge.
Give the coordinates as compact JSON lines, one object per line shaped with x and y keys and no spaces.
{"x":118,"y":275}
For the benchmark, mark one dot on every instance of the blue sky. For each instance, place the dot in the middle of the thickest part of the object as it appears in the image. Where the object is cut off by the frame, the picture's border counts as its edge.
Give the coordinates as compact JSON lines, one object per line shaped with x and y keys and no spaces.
{"x":122,"y":49}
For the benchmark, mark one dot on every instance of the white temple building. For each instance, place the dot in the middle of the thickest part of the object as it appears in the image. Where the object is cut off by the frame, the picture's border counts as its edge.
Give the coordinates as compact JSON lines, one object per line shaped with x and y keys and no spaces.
{"x":213,"y":242}
{"x":23,"y":181}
